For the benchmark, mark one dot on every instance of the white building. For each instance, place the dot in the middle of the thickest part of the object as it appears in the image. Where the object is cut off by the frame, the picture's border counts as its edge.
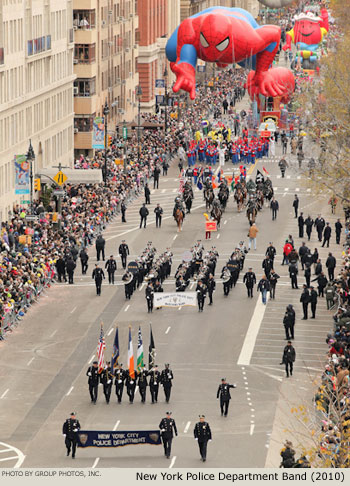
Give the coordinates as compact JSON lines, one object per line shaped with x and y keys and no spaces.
{"x":36,"y":88}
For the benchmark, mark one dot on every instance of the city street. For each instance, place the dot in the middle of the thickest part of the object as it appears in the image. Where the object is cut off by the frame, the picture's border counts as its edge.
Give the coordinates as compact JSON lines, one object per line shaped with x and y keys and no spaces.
{"x":44,"y":361}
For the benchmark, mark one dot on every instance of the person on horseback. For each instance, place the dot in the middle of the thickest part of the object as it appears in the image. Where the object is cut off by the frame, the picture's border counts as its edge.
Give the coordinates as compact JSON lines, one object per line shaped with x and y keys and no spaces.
{"x":178,"y":205}
{"x":188,"y":197}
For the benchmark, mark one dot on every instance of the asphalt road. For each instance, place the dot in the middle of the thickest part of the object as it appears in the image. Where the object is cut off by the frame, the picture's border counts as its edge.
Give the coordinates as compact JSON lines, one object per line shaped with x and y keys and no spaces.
{"x":43,"y":363}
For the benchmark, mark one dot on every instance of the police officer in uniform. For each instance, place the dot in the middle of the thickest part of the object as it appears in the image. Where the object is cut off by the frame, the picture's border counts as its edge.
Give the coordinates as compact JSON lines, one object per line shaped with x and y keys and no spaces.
{"x":249,"y":279}
{"x":224,"y":394}
{"x":201,"y":290}
{"x":119,"y":382}
{"x":166,"y":378}
{"x":93,"y":380}
{"x":111,"y":267}
{"x":98,"y":275}
{"x":154,"y":383}
{"x":70,"y":428}
{"x":202,"y":433}
{"x":211,"y":288}
{"x":123,"y":252}
{"x":158,"y":211}
{"x":167,"y":428}
{"x":142,"y":383}
{"x":130,"y":386}
{"x":149,"y":296}
{"x":106,"y":379}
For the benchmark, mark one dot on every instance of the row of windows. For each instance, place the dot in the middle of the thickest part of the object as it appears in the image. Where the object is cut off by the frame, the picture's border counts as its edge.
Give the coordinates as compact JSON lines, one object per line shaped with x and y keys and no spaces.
{"x":13,"y":35}
{"x":19,"y":126}
{"x":39,"y":73}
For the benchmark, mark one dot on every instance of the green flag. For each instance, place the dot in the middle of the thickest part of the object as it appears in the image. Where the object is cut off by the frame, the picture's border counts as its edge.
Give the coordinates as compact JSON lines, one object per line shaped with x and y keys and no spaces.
{"x":140,"y":363}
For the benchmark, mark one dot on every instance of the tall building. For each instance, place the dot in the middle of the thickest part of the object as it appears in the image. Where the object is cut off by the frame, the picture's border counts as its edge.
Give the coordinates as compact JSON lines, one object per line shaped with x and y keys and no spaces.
{"x":36,"y":88}
{"x":105,"y":55}
{"x":153,"y":33}
{"x":191,"y":7}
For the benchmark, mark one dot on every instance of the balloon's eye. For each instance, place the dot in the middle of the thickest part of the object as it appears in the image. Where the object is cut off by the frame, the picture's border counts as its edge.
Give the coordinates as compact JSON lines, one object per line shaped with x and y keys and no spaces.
{"x":204,"y":41}
{"x":222,"y":46}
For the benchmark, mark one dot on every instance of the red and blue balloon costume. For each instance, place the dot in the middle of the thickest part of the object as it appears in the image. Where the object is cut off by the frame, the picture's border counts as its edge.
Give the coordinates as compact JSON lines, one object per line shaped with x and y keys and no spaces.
{"x":225,"y":36}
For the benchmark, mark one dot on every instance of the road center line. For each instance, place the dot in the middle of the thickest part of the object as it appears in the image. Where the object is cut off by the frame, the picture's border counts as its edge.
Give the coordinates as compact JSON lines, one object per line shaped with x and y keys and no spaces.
{"x":252,"y":334}
{"x":126,"y":308}
{"x":110,"y":332}
{"x":225,"y":221}
{"x":172,"y":462}
{"x":5,"y":393}
{"x":180,"y":307}
{"x":141,"y":287}
{"x":30,"y":361}
{"x":187,"y":427}
{"x":95,"y":463}
{"x":175,"y":237}
{"x":116,"y":425}
{"x":70,"y":391}
{"x":166,"y":332}
{"x":252,"y":429}
{"x":218,"y":236}
{"x":92,"y":357}
{"x":73,"y":310}
{"x":52,"y":335}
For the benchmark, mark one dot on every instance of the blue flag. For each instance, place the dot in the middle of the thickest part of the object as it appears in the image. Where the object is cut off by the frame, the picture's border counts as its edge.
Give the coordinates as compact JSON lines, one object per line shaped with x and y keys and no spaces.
{"x":115,"y":356}
{"x":199,"y":185}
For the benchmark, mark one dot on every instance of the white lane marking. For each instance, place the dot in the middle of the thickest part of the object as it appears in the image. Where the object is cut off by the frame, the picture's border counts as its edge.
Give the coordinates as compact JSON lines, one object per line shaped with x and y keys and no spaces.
{"x":192,"y":285}
{"x":52,"y":335}
{"x":187,"y":427}
{"x":73,"y":310}
{"x":5,"y":450}
{"x":153,"y":191}
{"x":284,"y":194}
{"x":252,"y":429}
{"x":172,"y":462}
{"x":136,"y":389}
{"x":8,"y":458}
{"x":286,"y":189}
{"x":166,"y":332}
{"x":308,"y":190}
{"x":174,"y":237}
{"x":288,"y":177}
{"x":141,"y":287}
{"x":95,"y":463}
{"x":110,"y":332}
{"x":92,"y":357}
{"x":299,"y":177}
{"x":5,"y":393}
{"x":297,"y":189}
{"x":180,"y":307}
{"x":225,"y":221}
{"x":70,"y":391}
{"x":252,"y":333}
{"x":126,"y":308}
{"x":20,"y":456}
{"x":174,"y":190}
{"x":163,"y":191}
{"x":116,"y":425}
{"x":30,"y":361}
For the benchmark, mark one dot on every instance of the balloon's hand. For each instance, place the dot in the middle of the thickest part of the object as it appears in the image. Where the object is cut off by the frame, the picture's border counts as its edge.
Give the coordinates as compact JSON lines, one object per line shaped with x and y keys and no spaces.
{"x":268,"y":84}
{"x":185,"y":78}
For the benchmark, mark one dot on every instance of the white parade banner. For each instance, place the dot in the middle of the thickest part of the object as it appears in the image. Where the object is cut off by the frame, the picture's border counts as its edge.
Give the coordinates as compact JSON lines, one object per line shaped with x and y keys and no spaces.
{"x":174,"y":299}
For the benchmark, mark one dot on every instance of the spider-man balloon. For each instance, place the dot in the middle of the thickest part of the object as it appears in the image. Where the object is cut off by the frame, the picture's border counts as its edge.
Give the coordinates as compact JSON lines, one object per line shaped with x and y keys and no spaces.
{"x":225,"y":36}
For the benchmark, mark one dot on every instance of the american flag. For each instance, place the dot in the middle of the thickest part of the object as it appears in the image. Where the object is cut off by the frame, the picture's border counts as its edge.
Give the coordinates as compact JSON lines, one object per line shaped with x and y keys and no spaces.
{"x":101,"y":351}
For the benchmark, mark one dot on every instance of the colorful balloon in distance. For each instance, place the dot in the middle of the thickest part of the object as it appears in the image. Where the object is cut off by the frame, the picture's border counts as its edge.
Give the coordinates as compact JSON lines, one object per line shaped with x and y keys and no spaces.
{"x":225,"y":36}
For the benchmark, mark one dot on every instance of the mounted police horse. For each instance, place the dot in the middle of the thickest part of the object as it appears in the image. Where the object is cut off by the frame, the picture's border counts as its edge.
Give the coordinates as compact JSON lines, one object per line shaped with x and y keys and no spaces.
{"x":209,"y":197}
{"x":223,"y":196}
{"x":252,"y":211}
{"x":216,"y":212}
{"x":188,"y":198}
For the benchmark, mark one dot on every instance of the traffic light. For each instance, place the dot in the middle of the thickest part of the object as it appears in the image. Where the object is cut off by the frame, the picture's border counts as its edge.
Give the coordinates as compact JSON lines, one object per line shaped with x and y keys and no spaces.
{"x":110,"y":139}
{"x":37,"y":185}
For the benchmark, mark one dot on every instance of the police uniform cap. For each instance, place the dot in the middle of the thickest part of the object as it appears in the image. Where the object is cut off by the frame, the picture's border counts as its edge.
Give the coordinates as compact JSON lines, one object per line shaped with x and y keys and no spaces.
{"x":95,"y":362}
{"x":169,"y":413}
{"x":73,"y":413}
{"x":201,"y":416}
{"x":223,"y":379}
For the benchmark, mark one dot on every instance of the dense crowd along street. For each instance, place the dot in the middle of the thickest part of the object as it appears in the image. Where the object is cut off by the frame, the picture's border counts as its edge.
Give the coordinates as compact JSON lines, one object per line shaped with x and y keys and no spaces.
{"x":195,"y":296}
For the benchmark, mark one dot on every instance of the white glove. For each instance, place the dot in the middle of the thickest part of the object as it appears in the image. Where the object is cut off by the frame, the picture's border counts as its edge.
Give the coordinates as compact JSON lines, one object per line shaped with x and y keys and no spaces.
{"x":162,"y":430}
{"x":235,"y":385}
{"x":75,"y":430}
{"x":89,"y":374}
{"x":196,"y":438}
{"x":64,"y":435}
{"x":109,"y":382}
{"x":209,"y":440}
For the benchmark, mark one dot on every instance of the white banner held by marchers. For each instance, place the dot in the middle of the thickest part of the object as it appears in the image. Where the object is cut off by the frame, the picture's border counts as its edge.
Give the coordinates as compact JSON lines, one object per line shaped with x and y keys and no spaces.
{"x":174,"y":299}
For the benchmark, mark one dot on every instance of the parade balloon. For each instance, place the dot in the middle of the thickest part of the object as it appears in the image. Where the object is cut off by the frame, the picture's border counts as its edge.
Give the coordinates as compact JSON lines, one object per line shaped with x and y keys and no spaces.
{"x":225,"y":36}
{"x":283,"y":76}
{"x":276,"y":3}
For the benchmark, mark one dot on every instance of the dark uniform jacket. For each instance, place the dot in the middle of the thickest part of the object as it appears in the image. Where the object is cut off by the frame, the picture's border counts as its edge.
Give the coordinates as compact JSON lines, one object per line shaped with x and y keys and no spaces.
{"x":167,"y":426}
{"x":224,"y":391}
{"x":288,"y":354}
{"x":154,"y":378}
{"x":123,"y":249}
{"x":249,"y":279}
{"x":98,"y":274}
{"x":119,"y":376}
{"x":93,"y":375}
{"x":111,"y":265}
{"x":202,"y":431}
{"x":106,"y":376}
{"x":166,"y":377}
{"x":71,"y":427}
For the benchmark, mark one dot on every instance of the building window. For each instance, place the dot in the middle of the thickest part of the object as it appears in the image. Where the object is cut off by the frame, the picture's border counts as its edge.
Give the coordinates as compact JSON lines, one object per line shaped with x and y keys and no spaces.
{"x":84,"y":19}
{"x":86,"y":87}
{"x":84,"y":53}
{"x":1,"y":56}
{"x":83,"y":124}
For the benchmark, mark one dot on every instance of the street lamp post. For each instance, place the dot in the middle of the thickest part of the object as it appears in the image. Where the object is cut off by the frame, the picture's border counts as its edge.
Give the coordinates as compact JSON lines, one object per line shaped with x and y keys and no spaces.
{"x":138,"y":95}
{"x":124,"y":144}
{"x":105,"y":114}
{"x":30,"y":159}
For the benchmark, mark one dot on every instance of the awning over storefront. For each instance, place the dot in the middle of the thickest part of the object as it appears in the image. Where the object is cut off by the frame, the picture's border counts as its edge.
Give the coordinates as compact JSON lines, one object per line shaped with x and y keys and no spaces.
{"x":74,"y":176}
